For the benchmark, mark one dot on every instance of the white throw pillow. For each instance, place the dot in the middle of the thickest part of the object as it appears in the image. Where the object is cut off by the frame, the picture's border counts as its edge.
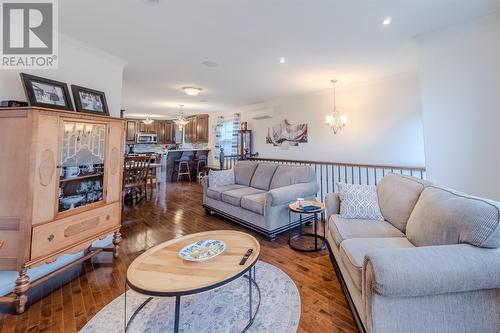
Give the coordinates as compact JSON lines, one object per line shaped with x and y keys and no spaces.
{"x":220,"y":177}
{"x":359,"y":202}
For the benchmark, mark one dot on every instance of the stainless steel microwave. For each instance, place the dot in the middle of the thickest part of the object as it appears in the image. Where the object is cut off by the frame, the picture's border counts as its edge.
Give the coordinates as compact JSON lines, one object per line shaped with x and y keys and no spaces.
{"x":146,"y":138}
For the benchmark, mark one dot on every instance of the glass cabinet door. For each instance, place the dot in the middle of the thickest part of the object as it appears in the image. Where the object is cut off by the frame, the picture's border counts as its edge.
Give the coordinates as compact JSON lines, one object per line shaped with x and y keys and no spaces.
{"x":82,"y":164}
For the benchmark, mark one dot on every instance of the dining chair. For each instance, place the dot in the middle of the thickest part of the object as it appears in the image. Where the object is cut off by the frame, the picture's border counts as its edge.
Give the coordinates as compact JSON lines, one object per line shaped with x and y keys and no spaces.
{"x":153,"y":173}
{"x":135,"y":175}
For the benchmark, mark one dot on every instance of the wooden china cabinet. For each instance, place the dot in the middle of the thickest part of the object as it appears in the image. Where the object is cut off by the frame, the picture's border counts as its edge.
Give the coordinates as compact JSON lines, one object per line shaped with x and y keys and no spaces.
{"x":60,"y":189}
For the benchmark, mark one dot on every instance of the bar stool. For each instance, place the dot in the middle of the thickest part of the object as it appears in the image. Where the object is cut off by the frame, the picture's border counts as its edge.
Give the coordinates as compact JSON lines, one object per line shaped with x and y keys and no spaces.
{"x":186,"y":171}
{"x":202,"y":161}
{"x":183,"y":165}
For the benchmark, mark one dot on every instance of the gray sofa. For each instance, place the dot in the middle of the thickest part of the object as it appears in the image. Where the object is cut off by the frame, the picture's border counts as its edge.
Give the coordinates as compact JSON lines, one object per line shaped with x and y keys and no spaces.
{"x":433,"y":265}
{"x":260,"y":195}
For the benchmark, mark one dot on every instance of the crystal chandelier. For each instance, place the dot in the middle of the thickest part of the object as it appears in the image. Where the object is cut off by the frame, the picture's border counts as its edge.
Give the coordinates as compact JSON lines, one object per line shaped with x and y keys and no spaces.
{"x":181,"y":120}
{"x":335,"y":121}
{"x":148,"y":120}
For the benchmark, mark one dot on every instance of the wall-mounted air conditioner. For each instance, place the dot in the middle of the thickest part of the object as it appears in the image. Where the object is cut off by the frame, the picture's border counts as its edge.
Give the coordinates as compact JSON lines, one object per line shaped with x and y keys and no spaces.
{"x":265,"y":113}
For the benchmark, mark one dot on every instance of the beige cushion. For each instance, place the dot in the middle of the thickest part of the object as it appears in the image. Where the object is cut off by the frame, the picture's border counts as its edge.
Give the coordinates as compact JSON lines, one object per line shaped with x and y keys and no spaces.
{"x":342,"y":229}
{"x":254,"y":202}
{"x":352,"y":252}
{"x":243,"y":172}
{"x":215,"y":192}
{"x":397,"y":196}
{"x":444,"y":216}
{"x":220,"y":177}
{"x":233,"y":197}
{"x":292,"y":174}
{"x":262,"y":176}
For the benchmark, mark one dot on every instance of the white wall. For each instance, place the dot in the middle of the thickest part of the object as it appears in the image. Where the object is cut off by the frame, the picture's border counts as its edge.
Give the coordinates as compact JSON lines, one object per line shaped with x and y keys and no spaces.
{"x":460,"y":82}
{"x":79,"y":64}
{"x":384,"y":126}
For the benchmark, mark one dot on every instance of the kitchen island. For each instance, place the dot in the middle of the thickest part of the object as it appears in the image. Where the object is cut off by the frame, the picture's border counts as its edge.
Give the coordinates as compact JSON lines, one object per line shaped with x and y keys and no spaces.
{"x":169,"y":164}
{"x":167,"y":170}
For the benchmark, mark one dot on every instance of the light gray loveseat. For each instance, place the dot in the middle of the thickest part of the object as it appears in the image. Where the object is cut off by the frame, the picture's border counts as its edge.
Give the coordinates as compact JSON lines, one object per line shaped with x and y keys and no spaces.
{"x":260,"y":195}
{"x":432,"y":266}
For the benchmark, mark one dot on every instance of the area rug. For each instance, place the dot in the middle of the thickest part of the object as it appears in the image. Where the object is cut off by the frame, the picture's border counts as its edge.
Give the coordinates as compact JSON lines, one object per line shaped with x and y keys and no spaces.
{"x":221,"y":310}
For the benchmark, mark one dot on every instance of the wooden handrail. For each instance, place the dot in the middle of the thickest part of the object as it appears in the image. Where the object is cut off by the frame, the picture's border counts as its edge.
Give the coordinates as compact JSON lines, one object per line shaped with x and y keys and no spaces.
{"x":329,"y":174}
{"x":375,"y":166}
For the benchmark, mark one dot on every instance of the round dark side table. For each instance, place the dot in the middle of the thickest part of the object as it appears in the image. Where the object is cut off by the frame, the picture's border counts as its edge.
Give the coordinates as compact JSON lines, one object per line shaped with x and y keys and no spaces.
{"x":319,"y":241}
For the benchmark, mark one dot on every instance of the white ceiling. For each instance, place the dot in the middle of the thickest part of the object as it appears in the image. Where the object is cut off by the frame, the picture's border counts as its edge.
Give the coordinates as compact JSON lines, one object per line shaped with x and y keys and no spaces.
{"x":165,"y":43}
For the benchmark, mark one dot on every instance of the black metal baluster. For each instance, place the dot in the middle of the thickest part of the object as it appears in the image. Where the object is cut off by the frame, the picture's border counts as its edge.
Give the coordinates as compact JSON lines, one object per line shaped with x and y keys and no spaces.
{"x":327,"y":180}
{"x":338,"y":170}
{"x":321,"y":177}
{"x":333,"y":178}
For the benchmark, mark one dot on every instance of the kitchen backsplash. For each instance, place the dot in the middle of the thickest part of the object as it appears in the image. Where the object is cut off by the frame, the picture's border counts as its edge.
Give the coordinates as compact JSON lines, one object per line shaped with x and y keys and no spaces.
{"x":157,"y":148}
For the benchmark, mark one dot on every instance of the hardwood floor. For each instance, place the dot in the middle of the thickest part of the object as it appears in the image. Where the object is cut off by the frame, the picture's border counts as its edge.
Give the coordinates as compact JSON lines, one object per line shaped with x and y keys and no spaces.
{"x":67,"y":302}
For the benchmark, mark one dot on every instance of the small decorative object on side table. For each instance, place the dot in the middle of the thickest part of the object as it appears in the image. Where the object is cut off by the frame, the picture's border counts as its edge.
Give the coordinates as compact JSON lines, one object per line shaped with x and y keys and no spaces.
{"x":307,"y":207}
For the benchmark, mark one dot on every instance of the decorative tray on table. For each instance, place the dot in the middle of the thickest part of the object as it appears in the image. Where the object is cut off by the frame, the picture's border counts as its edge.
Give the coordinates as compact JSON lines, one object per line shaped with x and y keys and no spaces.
{"x":310,"y":207}
{"x":202,"y":250}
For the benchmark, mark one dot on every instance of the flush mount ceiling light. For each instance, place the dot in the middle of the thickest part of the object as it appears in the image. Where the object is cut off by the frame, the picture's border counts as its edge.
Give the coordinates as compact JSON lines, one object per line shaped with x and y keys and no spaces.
{"x":334,"y":120}
{"x":387,"y":20}
{"x":282,"y":60}
{"x":191,"y":91}
{"x":148,"y":120}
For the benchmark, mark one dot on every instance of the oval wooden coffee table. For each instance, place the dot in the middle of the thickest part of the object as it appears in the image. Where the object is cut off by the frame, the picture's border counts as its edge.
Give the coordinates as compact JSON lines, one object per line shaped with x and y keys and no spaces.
{"x":161,"y":272}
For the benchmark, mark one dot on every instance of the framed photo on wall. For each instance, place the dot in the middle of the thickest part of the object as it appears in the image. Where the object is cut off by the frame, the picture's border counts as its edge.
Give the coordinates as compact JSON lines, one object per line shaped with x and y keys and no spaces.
{"x":89,"y":100}
{"x":46,"y":93}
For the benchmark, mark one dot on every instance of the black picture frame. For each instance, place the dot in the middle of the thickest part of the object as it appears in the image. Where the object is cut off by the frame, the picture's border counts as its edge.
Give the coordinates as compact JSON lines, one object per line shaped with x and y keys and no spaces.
{"x":81,"y":107}
{"x":59,"y":98}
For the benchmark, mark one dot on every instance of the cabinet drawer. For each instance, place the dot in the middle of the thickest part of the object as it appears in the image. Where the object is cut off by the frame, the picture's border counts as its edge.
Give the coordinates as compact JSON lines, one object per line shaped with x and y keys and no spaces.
{"x":9,"y":248}
{"x":65,"y":233}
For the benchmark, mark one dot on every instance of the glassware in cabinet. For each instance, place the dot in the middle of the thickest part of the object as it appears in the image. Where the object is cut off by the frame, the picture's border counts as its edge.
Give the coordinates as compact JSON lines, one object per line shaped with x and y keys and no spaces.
{"x":81,"y":179}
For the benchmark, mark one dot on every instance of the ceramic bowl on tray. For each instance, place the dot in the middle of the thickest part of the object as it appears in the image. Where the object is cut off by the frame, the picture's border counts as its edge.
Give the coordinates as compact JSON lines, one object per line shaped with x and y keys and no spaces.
{"x":202,"y":250}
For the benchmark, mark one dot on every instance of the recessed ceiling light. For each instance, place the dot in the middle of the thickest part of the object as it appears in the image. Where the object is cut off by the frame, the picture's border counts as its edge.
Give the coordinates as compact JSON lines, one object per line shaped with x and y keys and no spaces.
{"x":282,"y":60}
{"x":210,"y":63}
{"x":191,"y":91}
{"x":387,"y":20}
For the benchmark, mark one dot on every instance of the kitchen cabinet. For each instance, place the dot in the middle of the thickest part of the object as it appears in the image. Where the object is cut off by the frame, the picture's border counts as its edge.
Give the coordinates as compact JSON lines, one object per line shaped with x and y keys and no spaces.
{"x":197,"y":129}
{"x":164,"y":130}
{"x":190,"y":135}
{"x":169,"y":131}
{"x":131,"y":130}
{"x":61,"y":188}
{"x":147,"y":128}
{"x":160,"y":131}
{"x":202,"y":128}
